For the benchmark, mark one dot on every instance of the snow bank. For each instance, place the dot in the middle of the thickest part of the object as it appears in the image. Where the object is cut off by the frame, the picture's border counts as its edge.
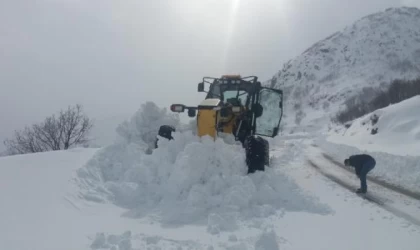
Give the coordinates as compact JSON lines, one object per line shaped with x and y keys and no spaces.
{"x":394,"y":129}
{"x":400,"y":170}
{"x":188,"y":180}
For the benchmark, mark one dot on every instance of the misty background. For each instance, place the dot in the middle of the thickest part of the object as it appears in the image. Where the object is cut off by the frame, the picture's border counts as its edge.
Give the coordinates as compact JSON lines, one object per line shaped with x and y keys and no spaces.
{"x":112,"y":56}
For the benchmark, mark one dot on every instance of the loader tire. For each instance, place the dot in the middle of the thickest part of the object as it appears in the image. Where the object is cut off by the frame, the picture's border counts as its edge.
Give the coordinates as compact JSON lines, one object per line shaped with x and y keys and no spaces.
{"x":257,"y":153}
{"x":267,"y":153}
{"x":165,"y":131}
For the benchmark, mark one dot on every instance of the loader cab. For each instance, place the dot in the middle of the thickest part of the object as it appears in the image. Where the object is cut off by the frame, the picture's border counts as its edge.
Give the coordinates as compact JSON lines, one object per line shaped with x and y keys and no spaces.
{"x":231,"y":89}
{"x":263,"y":107}
{"x":240,"y":106}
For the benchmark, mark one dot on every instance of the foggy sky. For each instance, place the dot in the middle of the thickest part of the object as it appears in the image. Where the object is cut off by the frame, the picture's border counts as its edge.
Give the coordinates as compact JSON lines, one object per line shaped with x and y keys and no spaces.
{"x":112,"y":56}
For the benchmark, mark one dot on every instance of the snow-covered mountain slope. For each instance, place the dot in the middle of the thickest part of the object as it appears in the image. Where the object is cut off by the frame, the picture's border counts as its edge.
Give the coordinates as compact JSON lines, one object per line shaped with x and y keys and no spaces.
{"x":394,"y":129}
{"x":367,"y":54}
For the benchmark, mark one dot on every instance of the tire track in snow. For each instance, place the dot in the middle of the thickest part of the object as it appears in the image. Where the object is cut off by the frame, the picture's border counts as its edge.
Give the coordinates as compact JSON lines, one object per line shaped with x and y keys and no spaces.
{"x":343,"y":183}
{"x":370,"y":198}
{"x":398,"y":189}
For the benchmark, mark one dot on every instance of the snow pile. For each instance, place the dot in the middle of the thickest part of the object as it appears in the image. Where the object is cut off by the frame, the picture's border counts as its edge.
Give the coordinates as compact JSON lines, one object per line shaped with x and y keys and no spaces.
{"x":394,"y":129}
{"x":134,"y":241}
{"x":187,"y":180}
{"x":120,"y":242}
{"x":267,"y":241}
{"x":399,"y":170}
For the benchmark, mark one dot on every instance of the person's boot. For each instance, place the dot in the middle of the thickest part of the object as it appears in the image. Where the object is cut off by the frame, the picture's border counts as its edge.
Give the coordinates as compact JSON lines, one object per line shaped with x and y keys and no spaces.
{"x":360,"y":191}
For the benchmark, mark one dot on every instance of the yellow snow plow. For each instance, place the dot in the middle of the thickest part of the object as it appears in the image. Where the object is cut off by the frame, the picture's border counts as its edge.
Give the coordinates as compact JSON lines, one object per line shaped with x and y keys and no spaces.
{"x":240,"y":106}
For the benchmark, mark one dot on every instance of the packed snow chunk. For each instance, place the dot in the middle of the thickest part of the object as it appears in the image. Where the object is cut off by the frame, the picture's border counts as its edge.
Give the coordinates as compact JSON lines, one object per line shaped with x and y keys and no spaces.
{"x":267,"y":241}
{"x":143,"y":127}
{"x":239,"y":246}
{"x":112,"y":242}
{"x":233,"y":238}
{"x":217,"y":223}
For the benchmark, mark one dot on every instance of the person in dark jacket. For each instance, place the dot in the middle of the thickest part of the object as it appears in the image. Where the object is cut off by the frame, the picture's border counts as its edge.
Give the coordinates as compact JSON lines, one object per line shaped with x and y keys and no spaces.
{"x":362,"y":164}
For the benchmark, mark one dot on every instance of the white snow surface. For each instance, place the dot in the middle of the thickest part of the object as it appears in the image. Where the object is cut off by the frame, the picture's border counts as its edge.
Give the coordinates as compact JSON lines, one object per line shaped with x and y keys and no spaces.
{"x":42,"y":208}
{"x":189,"y":193}
{"x":364,"y":56}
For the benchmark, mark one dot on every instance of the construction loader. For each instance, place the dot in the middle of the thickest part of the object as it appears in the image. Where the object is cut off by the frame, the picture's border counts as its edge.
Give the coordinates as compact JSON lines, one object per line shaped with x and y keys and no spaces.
{"x":240,"y":106}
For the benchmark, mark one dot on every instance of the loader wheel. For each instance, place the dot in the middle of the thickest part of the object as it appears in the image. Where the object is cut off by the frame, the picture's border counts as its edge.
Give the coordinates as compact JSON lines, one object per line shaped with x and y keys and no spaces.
{"x":267,"y":153}
{"x":166,"y":132}
{"x":257,"y":153}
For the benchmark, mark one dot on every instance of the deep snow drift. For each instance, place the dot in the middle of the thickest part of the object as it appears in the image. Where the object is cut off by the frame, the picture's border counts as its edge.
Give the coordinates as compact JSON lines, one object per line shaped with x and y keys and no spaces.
{"x":187,"y":180}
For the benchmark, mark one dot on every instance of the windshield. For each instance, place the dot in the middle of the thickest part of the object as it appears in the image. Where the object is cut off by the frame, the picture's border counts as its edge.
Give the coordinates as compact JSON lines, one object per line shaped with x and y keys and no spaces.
{"x":235,"y":97}
{"x":234,"y":94}
{"x":272,"y":112}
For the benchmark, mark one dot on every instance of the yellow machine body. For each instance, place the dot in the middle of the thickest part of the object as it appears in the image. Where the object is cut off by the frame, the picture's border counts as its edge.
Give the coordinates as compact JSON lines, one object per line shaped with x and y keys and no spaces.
{"x":209,"y":119}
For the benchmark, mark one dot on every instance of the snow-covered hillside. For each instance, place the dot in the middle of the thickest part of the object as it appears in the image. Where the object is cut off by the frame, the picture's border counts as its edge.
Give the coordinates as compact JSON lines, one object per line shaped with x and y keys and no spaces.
{"x":367,"y":54}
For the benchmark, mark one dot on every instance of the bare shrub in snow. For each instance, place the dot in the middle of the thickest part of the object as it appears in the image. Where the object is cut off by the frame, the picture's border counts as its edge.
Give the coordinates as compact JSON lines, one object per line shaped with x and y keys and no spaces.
{"x":70,"y":128}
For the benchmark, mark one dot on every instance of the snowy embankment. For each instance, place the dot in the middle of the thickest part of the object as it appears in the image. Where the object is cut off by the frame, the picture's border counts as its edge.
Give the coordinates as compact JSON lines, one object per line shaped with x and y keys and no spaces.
{"x":391,"y":135}
{"x":394,"y":130}
{"x":37,"y":211}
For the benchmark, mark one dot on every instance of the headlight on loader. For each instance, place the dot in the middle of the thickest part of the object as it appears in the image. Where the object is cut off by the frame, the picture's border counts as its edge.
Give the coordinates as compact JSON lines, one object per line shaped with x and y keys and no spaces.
{"x":179,"y":108}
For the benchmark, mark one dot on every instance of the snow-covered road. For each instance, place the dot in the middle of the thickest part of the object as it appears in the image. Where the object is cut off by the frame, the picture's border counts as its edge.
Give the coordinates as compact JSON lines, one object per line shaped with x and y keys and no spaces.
{"x":355,"y":223}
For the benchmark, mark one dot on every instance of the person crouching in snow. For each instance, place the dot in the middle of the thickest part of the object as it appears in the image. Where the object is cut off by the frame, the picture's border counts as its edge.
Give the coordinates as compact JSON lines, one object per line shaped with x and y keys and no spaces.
{"x":362,"y":163}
